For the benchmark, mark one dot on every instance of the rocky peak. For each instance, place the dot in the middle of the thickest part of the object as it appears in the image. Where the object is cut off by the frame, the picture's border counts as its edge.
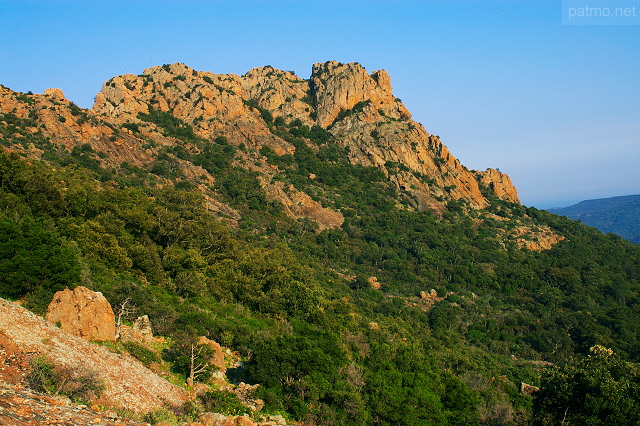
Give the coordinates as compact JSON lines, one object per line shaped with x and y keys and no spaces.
{"x":214,"y":104}
{"x":358,"y":108}
{"x":500,"y":184}
{"x":55,"y":94}
{"x":282,"y":93}
{"x":340,"y":87}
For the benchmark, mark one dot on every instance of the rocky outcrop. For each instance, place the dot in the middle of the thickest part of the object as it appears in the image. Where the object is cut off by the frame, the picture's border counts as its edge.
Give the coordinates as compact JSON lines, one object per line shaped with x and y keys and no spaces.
{"x":218,"y":357}
{"x":373,"y":283}
{"x":127,"y":382}
{"x":83,"y":313}
{"x":537,"y":238}
{"x":340,"y":87}
{"x":500,"y":184}
{"x":357,"y":107}
{"x":140,"y":331}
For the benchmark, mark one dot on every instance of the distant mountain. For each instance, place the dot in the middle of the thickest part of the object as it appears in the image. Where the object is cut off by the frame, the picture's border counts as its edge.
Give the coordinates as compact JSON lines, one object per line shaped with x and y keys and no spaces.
{"x":619,"y":215}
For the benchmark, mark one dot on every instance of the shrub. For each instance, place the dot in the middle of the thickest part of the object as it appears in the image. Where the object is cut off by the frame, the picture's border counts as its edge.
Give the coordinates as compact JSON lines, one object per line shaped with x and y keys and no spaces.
{"x":143,"y":354}
{"x":78,"y":384}
{"x":223,"y":402}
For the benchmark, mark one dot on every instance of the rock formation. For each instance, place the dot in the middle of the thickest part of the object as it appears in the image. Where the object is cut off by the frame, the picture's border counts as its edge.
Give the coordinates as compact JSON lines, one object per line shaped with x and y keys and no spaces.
{"x":218,"y":358}
{"x":140,"y":331}
{"x":358,"y":108}
{"x":83,"y":313}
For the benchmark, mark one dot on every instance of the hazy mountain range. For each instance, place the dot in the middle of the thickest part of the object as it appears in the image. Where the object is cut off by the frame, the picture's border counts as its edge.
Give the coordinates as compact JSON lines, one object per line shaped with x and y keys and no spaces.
{"x":619,"y":215}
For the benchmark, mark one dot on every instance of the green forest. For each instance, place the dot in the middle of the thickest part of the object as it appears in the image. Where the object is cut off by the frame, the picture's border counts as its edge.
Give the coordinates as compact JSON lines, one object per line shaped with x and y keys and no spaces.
{"x":619,"y":215}
{"x":325,"y":346}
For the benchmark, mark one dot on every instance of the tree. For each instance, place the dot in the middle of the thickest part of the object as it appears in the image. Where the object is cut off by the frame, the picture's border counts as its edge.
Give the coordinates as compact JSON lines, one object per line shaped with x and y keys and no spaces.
{"x":596,"y":390}
{"x":197,"y":366}
{"x":124,"y":310}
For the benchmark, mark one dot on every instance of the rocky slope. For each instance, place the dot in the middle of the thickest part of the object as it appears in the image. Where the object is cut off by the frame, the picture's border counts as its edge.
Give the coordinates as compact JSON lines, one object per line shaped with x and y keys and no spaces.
{"x":20,"y":406}
{"x":24,"y":335}
{"x":357,"y":108}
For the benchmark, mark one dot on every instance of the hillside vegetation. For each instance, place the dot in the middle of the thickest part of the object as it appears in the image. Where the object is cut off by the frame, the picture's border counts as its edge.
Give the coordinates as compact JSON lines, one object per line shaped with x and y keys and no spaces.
{"x":619,"y":215}
{"x":308,"y":236}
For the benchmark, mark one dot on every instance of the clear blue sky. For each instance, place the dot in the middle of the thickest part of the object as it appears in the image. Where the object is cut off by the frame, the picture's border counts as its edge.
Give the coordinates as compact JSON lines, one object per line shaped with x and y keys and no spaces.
{"x":504,"y":83}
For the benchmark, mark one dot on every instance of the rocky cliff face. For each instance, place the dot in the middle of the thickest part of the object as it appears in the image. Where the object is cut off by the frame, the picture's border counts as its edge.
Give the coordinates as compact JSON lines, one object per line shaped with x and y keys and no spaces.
{"x":358,"y":108}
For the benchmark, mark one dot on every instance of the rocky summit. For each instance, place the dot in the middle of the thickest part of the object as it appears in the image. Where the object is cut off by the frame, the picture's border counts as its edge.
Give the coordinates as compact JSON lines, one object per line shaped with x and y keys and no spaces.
{"x":356,"y":108}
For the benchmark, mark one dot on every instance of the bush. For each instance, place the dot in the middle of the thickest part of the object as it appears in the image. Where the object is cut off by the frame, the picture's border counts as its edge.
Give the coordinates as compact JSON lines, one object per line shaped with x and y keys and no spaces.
{"x":78,"y":384}
{"x":223,"y":402}
{"x":143,"y":354}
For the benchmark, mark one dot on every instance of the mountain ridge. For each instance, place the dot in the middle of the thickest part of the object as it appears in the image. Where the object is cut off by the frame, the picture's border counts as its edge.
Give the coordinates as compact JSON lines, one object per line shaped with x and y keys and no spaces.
{"x":619,"y":215}
{"x":357,"y":108}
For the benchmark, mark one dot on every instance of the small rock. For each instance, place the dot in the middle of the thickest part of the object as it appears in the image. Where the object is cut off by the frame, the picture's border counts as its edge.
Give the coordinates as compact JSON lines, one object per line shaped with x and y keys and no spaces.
{"x":211,"y":419}
{"x":527,"y":389}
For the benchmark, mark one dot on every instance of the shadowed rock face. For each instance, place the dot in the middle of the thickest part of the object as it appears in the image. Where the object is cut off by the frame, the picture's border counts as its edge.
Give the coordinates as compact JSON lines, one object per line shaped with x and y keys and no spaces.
{"x":83,"y":313}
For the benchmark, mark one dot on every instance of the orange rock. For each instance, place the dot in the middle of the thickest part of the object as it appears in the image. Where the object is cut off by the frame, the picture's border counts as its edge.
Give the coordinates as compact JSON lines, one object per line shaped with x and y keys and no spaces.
{"x":218,"y":353}
{"x":83,"y":313}
{"x":244,"y":421}
{"x":373,"y":283}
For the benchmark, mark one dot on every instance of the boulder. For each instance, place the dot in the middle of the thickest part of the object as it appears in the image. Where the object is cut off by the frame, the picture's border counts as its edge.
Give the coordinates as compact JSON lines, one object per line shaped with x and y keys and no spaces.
{"x":140,"y":331}
{"x":83,"y":313}
{"x":373,"y":283}
{"x":217,"y":358}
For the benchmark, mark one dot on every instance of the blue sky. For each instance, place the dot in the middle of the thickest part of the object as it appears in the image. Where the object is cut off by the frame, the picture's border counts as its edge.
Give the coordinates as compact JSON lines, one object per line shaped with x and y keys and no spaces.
{"x":503,"y":83}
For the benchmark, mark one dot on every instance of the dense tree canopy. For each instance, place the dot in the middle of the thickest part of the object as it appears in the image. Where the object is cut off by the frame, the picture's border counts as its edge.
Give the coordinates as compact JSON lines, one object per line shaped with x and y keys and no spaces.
{"x":325,"y":345}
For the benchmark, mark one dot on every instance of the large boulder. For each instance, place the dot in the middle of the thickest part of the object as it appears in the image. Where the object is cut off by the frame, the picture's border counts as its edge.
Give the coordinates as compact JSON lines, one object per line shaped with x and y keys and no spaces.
{"x":83,"y":313}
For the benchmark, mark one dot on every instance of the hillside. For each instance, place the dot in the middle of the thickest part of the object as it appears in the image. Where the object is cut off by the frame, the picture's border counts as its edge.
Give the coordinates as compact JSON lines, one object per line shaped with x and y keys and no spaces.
{"x":619,"y":215}
{"x":364,"y":275}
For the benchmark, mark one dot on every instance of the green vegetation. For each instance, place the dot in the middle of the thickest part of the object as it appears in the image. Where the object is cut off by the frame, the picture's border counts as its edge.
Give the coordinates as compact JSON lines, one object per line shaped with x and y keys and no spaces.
{"x":77,"y":384}
{"x":620,"y":215}
{"x":223,"y":402}
{"x":172,"y":125}
{"x":600,"y":389}
{"x":140,"y":352}
{"x":325,"y":346}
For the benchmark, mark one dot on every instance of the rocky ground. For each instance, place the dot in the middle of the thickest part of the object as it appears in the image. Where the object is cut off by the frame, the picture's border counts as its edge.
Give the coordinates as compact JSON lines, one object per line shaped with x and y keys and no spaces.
{"x":128,"y":383}
{"x":129,"y":386}
{"x":21,"y":406}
